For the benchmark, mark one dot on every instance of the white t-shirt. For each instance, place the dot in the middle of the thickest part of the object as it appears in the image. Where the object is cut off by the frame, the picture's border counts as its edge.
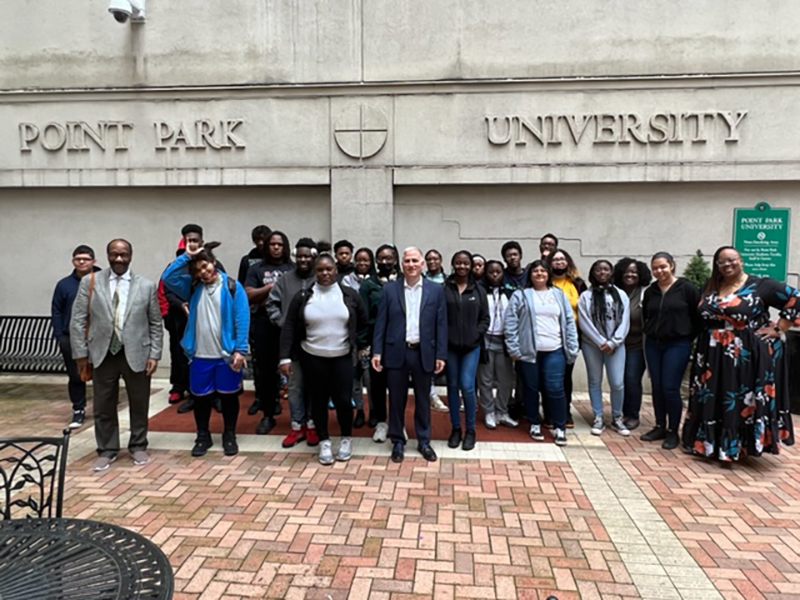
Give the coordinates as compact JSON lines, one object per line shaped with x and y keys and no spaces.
{"x":208,"y":326}
{"x":548,"y":320}
{"x":326,"y":319}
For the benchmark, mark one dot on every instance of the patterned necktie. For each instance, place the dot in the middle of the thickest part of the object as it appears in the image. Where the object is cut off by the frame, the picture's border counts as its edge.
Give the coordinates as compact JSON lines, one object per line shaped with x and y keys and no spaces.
{"x":116,"y":342}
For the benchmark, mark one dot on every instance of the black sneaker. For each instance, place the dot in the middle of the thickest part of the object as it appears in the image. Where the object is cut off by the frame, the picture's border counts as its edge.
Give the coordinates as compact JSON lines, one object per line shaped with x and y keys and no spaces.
{"x":671,"y":441}
{"x":202,"y":444}
{"x":217,"y":404}
{"x":78,"y":417}
{"x":469,"y":440}
{"x":454,"y":441}
{"x":360,"y":420}
{"x":278,"y":408}
{"x":187,"y":406}
{"x":656,"y":434}
{"x":266,"y":425}
{"x":373,"y":421}
{"x":254,"y":407}
{"x":229,"y":445}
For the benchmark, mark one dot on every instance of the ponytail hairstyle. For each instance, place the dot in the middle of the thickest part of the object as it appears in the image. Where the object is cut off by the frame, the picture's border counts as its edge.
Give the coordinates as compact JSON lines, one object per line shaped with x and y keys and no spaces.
{"x":715,"y":281}
{"x":599,"y":297}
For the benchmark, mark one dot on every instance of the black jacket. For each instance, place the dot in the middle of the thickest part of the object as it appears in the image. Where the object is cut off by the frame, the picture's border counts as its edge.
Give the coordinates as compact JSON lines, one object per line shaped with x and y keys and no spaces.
{"x":467,"y":316}
{"x":61,"y":306}
{"x":673,"y":315}
{"x":294,"y":328}
{"x":248,"y":260}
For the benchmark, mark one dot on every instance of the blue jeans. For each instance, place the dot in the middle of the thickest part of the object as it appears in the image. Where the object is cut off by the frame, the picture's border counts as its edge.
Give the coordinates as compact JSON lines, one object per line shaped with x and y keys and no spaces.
{"x":667,"y":363}
{"x":545,"y":375}
{"x":461,"y":371}
{"x":634,"y":371}
{"x":595,"y":360}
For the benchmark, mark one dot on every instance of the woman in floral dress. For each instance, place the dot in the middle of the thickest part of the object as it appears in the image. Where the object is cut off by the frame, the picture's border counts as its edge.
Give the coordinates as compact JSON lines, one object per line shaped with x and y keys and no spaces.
{"x":739,"y":404}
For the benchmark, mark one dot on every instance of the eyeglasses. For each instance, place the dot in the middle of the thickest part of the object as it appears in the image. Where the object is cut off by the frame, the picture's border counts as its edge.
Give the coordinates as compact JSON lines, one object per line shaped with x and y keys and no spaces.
{"x":727,"y":261}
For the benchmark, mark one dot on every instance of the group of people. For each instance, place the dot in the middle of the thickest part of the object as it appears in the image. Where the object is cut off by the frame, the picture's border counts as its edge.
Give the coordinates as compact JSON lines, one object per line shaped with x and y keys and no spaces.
{"x":334,"y":321}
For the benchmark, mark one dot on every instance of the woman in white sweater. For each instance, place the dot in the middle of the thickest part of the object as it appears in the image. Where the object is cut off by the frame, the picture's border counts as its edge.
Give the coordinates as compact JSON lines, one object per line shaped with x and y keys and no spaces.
{"x":325,"y":328}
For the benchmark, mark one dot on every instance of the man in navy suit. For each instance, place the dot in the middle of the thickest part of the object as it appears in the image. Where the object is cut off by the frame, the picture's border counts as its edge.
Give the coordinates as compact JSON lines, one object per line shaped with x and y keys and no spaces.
{"x":410,"y":339}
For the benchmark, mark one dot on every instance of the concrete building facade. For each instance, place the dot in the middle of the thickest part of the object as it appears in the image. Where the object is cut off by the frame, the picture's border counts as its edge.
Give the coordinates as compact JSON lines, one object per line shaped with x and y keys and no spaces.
{"x":624,"y":129}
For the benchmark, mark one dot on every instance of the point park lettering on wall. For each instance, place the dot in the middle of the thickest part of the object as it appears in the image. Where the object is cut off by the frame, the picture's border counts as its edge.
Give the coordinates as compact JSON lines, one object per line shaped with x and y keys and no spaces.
{"x":696,"y":127}
{"x":115,"y":136}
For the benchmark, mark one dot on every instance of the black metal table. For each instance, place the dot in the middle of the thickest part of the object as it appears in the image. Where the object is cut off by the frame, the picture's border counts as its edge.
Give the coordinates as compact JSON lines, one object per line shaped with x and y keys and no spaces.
{"x":42,"y":559}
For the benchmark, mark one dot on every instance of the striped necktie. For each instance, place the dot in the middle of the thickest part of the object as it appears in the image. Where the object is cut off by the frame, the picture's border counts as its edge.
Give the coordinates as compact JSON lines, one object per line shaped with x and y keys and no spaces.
{"x":116,"y":341}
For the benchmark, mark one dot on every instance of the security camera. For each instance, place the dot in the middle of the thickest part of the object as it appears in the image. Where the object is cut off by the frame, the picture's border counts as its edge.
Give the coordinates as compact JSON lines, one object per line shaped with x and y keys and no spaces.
{"x":122,"y":9}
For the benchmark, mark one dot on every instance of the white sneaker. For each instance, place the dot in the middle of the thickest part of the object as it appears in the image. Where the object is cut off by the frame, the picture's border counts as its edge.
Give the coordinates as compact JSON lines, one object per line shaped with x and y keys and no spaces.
{"x":345,"y":450}
{"x":325,"y":453}
{"x":461,"y":407}
{"x":598,"y":427}
{"x":491,"y":421}
{"x":437,"y":404}
{"x":507,"y":421}
{"x":560,"y":437}
{"x":619,"y":426}
{"x":381,"y":431}
{"x":536,"y":433}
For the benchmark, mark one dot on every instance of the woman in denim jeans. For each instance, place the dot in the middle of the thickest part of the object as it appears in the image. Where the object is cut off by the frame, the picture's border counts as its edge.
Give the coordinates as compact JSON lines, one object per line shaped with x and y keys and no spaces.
{"x":604,"y":321}
{"x":671,"y":321}
{"x":467,"y":323}
{"x":633,"y":277}
{"x":541,"y":335}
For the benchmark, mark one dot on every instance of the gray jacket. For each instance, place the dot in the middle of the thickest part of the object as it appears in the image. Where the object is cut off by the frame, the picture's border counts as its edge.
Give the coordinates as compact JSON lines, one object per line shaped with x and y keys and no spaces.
{"x":282,"y":293}
{"x":142,"y":333}
{"x":519,"y":326}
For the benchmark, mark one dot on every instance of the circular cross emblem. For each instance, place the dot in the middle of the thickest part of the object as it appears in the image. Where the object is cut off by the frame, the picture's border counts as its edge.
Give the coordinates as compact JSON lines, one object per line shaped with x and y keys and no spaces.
{"x":360,"y":131}
{"x":761,"y":236}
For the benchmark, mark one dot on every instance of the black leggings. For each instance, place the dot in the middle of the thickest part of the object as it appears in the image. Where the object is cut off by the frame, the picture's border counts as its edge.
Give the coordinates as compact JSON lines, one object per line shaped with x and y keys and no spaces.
{"x":325,"y":378}
{"x":230,"y":411}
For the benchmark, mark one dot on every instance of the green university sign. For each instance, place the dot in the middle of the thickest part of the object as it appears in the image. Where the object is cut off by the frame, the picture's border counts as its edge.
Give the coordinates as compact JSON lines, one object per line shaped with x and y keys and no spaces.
{"x":761,"y":235}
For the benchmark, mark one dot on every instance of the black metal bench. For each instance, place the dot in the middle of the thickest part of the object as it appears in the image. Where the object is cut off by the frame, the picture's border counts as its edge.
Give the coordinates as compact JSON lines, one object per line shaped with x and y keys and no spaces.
{"x":27,"y":346}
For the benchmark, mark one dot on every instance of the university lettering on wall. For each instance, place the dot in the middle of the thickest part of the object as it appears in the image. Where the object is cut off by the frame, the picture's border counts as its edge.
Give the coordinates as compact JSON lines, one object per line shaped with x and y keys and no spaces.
{"x":694,"y":127}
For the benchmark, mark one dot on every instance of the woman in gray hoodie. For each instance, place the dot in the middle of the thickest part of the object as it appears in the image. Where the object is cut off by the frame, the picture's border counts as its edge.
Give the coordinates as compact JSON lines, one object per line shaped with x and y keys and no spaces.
{"x":540,"y":334}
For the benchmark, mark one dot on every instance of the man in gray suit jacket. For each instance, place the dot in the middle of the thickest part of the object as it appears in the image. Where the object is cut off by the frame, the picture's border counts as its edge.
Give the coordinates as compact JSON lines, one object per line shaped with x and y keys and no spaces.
{"x":124,"y":340}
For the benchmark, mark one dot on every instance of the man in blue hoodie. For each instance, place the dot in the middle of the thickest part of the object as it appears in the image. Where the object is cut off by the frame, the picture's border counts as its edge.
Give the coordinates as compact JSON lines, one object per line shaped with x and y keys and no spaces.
{"x":83,"y":261}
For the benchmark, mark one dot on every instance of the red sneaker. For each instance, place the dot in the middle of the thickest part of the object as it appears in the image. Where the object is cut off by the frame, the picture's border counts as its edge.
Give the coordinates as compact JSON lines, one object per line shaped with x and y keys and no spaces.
{"x":175,"y":397}
{"x":295,"y":437}
{"x":312,"y":439}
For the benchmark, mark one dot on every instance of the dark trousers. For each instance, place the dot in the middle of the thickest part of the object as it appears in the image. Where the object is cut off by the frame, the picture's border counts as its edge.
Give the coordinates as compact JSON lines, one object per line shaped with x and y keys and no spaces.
{"x":106,"y":403}
{"x":378,"y":387}
{"x":667,"y":363}
{"x":397,"y":380}
{"x":175,"y":324}
{"x":230,"y":411}
{"x":634,"y":371}
{"x":329,"y":378}
{"x":266,"y":350}
{"x":76,"y":387}
{"x":546,"y":375}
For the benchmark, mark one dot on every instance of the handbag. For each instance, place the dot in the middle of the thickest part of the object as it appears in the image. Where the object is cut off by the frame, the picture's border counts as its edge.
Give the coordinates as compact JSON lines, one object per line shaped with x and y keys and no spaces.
{"x":85,"y":369}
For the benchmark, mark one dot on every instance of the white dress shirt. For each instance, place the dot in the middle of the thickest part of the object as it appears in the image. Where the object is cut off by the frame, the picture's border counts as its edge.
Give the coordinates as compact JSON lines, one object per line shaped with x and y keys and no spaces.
{"x":413,"y":295}
{"x":124,"y":283}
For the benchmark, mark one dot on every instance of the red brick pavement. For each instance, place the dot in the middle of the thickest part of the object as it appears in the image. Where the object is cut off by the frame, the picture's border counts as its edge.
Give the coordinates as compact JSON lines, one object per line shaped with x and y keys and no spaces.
{"x":740,"y":521}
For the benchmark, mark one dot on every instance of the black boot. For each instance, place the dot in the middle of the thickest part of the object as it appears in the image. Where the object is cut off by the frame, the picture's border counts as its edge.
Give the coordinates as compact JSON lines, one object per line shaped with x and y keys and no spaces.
{"x":469,"y":440}
{"x":360,"y":420}
{"x":229,"y":445}
{"x":454,"y":441}
{"x":202,"y":443}
{"x":671,"y":441}
{"x":656,"y":434}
